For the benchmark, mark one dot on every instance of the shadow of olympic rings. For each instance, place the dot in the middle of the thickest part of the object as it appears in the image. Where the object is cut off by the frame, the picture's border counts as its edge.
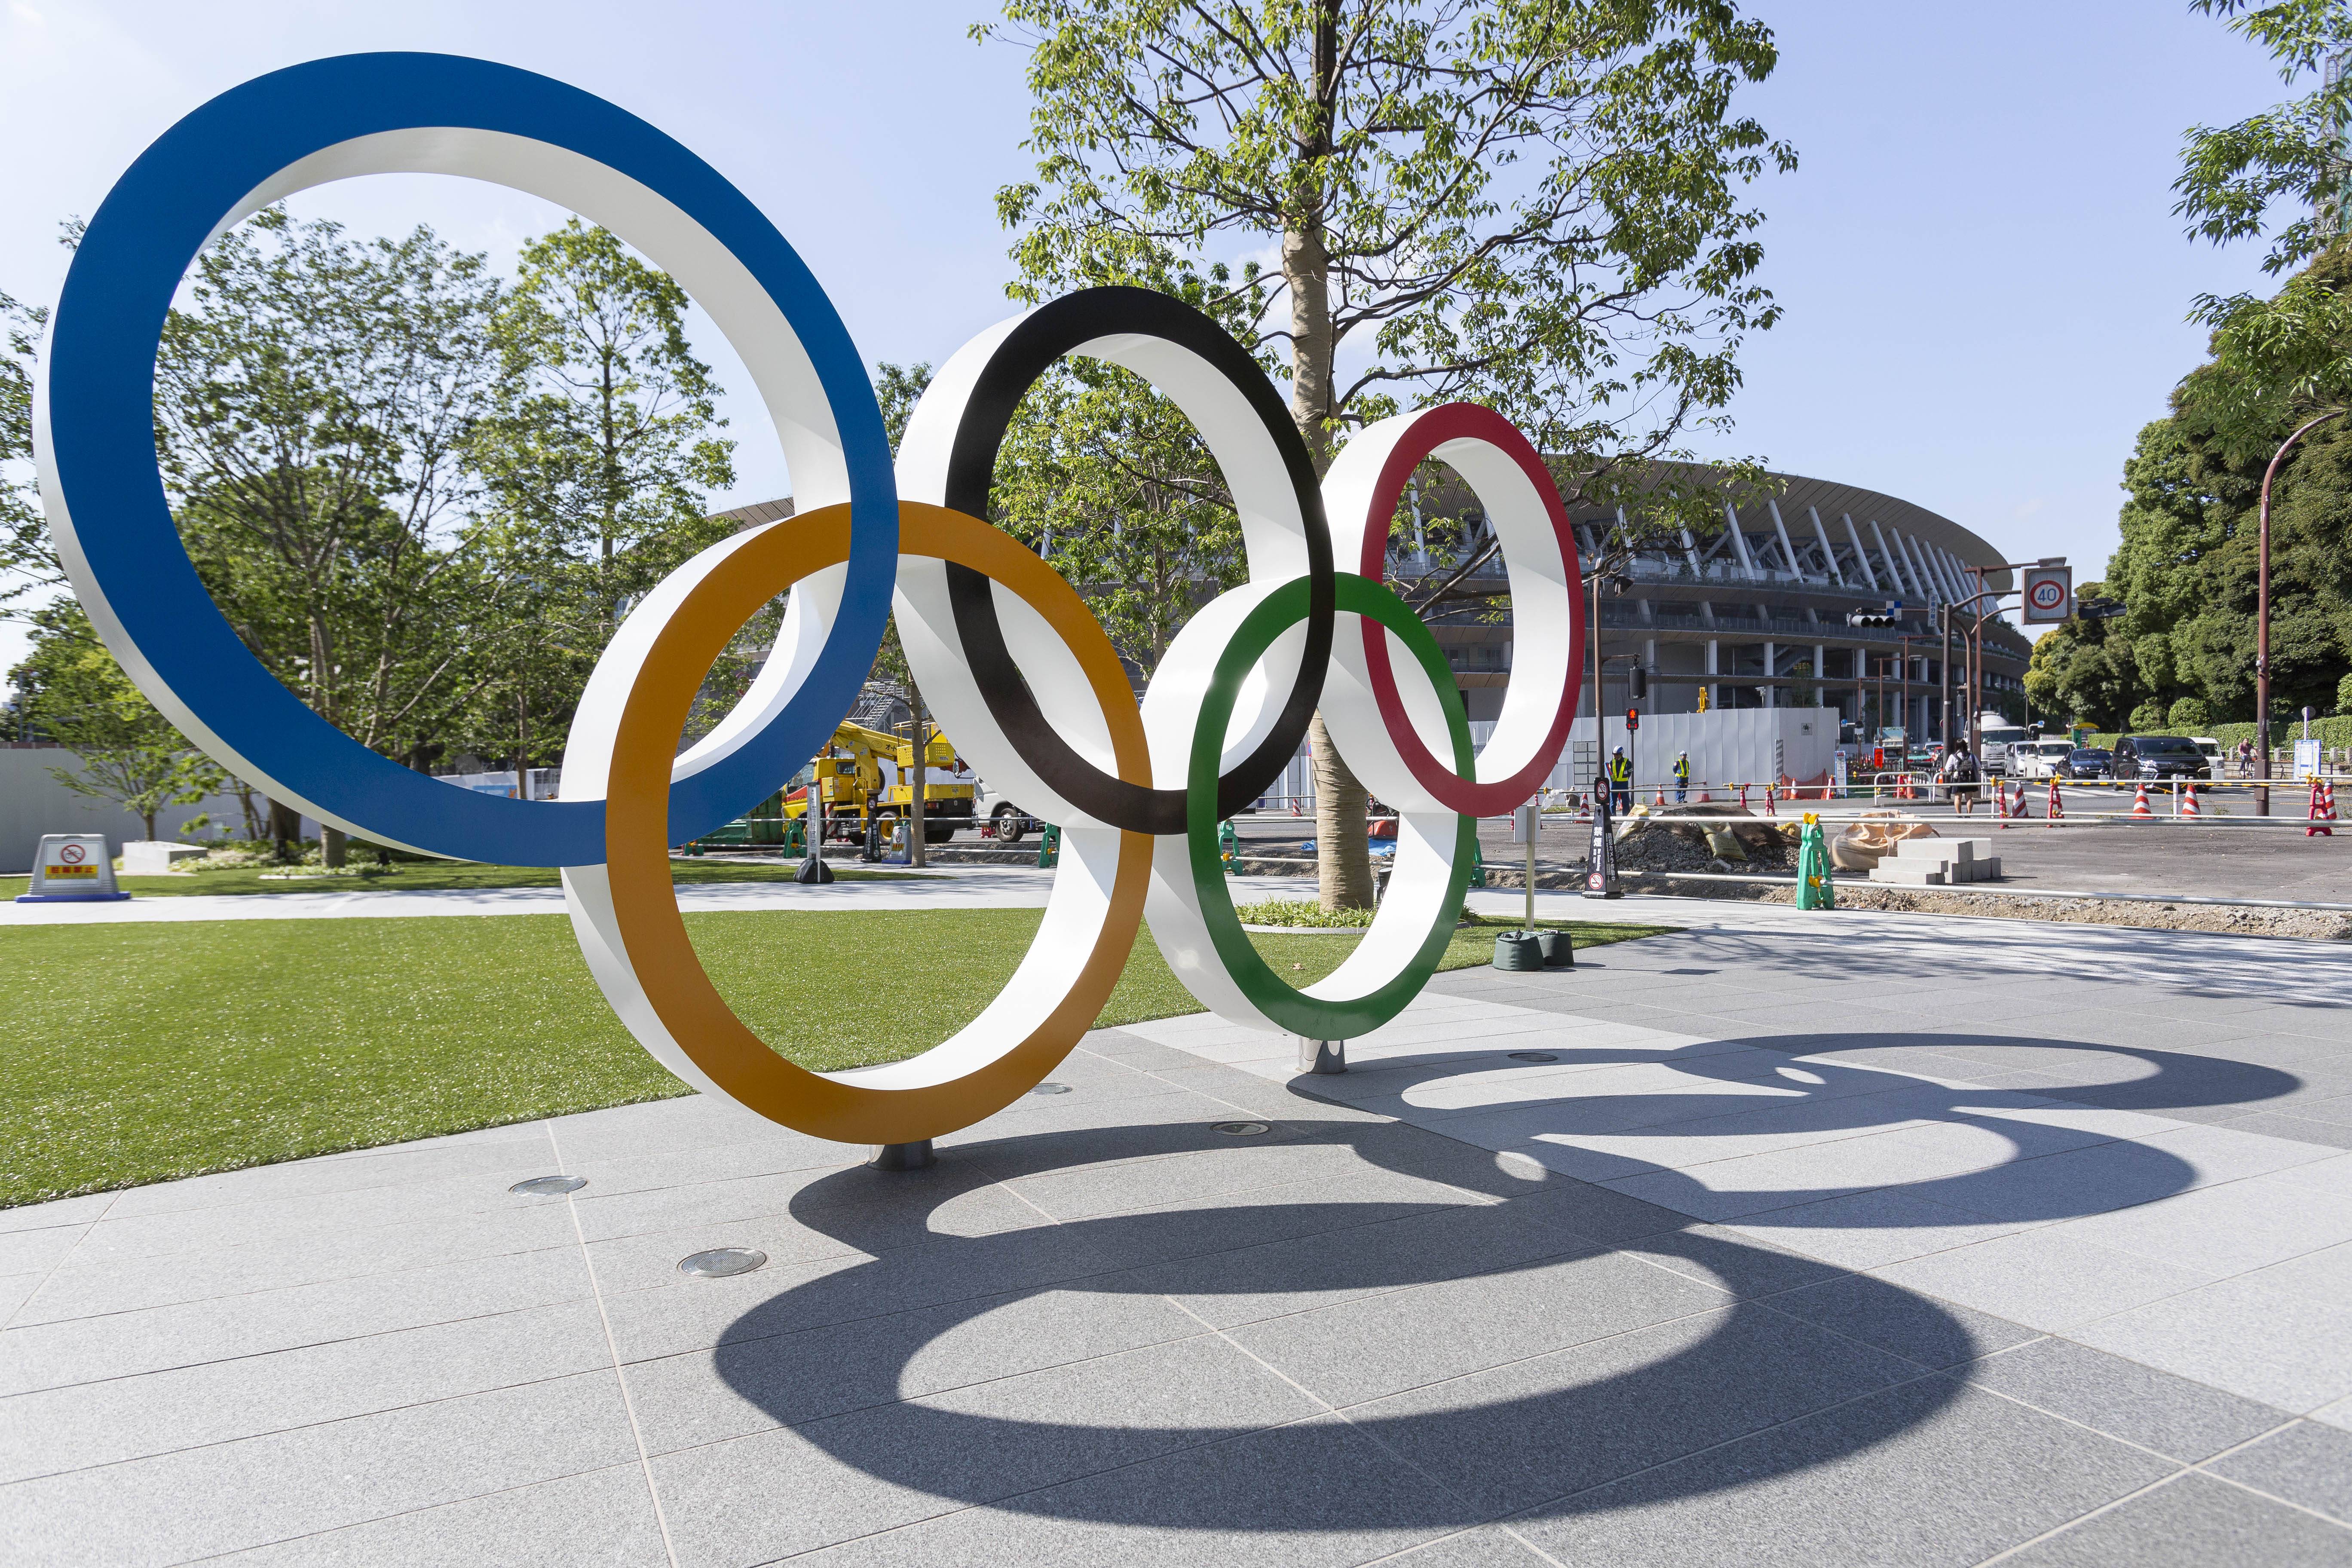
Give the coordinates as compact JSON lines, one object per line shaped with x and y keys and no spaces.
{"x":1814,"y":1096}
{"x":838,"y":1359}
{"x":1663,"y":1368}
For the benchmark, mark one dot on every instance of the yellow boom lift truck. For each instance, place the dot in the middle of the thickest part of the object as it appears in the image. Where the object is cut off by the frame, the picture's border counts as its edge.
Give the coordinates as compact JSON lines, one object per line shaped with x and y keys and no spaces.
{"x":863,"y":774}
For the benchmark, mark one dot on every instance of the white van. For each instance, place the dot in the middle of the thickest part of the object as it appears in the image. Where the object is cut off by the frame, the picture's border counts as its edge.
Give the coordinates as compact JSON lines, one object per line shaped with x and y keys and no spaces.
{"x":2037,"y":758}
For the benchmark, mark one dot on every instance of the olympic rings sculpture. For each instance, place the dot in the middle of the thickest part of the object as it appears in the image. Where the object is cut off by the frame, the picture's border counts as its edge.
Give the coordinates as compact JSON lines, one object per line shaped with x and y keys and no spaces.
{"x":1008,"y":656}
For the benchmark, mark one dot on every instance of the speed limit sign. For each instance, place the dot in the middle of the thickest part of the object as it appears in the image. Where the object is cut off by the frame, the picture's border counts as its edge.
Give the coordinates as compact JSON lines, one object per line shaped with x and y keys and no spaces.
{"x":2049,"y":594}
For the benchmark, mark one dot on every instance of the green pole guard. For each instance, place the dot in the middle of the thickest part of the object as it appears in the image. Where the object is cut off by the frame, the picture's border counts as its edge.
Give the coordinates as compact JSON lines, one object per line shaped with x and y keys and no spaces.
{"x":1815,"y":890}
{"x":1049,"y":848}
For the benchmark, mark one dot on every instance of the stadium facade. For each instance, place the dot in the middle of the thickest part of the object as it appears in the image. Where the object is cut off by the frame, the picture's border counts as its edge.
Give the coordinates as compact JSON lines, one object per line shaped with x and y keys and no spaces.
{"x":1757,"y":616}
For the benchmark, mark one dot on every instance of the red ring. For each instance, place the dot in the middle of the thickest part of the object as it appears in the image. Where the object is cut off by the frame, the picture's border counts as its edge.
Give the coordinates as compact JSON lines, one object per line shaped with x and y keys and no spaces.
{"x":1432,"y":430}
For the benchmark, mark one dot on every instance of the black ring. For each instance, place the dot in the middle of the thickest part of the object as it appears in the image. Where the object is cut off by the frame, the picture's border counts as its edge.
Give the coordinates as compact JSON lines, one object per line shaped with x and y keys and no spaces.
{"x":1025,"y":354}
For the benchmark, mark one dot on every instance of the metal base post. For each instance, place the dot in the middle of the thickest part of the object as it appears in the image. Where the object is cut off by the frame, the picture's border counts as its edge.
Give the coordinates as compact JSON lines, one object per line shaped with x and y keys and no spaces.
{"x":1322,"y":1056}
{"x":903,"y":1156}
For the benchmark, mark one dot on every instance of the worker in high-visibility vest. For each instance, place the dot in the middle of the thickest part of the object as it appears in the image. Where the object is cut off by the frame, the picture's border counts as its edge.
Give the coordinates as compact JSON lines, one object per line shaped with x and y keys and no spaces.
{"x":1620,"y":780}
{"x":1682,"y":776}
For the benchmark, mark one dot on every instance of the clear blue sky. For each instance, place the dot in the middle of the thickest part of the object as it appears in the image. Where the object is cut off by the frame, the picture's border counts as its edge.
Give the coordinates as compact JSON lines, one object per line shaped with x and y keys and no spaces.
{"x":1984,"y":287}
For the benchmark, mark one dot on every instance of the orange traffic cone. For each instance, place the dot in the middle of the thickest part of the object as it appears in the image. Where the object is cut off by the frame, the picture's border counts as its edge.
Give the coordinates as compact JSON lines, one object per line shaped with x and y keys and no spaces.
{"x":2057,"y":806}
{"x":2188,"y":801}
{"x":2139,"y":805}
{"x":1662,"y":795}
{"x":1768,"y":794}
{"x":1584,"y":809}
{"x":2318,"y":818}
{"x":1701,"y":797}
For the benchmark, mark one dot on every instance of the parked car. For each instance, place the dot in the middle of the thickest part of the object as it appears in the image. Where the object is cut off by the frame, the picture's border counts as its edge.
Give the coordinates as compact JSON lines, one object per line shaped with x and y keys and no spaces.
{"x":2215,"y":757}
{"x":2089,"y":763}
{"x":2157,"y":757}
{"x":2039,"y":759}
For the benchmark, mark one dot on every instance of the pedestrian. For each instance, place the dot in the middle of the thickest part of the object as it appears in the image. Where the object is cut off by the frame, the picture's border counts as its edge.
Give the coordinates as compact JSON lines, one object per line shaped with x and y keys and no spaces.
{"x":1620,"y":780}
{"x":2245,"y":759}
{"x":1959,"y":771}
{"x":1682,"y":777}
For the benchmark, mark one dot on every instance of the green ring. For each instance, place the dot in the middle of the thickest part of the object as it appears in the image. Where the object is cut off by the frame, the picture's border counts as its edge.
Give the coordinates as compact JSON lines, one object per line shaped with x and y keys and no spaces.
{"x":1302,"y":1015}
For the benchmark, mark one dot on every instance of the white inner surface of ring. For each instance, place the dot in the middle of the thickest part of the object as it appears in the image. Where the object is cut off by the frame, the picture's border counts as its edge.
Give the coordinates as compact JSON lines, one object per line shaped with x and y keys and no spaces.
{"x":745,"y":315}
{"x":1543,"y":599}
{"x":1274,"y":533}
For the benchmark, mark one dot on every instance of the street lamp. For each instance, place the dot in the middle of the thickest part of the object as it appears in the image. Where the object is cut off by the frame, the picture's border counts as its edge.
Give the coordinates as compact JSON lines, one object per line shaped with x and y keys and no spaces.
{"x":2263,"y":615}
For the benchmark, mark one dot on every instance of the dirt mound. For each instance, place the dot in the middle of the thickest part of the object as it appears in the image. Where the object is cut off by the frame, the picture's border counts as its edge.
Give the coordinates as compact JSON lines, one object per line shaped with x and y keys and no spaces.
{"x":1706,"y":838}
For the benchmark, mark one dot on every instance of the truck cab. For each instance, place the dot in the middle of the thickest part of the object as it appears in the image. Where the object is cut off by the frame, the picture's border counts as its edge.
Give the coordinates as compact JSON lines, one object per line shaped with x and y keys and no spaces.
{"x":1998,"y":743}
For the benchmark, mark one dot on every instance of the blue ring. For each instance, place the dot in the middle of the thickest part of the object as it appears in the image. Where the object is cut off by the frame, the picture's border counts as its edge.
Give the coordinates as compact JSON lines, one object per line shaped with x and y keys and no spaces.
{"x":100,"y":401}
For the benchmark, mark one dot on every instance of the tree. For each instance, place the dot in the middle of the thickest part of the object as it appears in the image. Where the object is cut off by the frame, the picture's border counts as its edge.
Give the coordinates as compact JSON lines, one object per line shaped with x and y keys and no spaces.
{"x":312,"y":409}
{"x":599,"y":452}
{"x":28,"y":562}
{"x":2279,"y":175}
{"x":129,"y":754}
{"x":1528,"y":202}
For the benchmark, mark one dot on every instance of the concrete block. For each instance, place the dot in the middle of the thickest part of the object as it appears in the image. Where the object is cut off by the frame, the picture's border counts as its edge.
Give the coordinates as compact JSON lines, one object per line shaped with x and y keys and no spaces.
{"x":1971,"y":849}
{"x":1911,"y":874}
{"x":1930,"y":849}
{"x":155,"y":856}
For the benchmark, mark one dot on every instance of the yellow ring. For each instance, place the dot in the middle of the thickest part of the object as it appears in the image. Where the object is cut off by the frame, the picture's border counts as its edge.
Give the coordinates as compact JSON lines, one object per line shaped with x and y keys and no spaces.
{"x":637,"y":836}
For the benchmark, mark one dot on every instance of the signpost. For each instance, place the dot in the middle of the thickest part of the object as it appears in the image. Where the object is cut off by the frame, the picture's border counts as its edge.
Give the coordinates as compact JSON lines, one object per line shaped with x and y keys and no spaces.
{"x":2049,"y":595}
{"x":1601,"y":864}
{"x":72,"y":868}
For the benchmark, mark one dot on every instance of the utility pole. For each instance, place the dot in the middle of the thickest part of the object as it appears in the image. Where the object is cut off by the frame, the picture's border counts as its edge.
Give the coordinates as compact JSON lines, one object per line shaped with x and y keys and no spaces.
{"x":1944,"y":678}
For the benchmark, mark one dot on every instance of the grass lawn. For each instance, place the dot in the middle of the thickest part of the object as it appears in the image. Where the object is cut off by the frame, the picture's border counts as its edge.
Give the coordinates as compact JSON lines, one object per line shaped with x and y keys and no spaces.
{"x":140,"y":1052}
{"x":423,"y":876}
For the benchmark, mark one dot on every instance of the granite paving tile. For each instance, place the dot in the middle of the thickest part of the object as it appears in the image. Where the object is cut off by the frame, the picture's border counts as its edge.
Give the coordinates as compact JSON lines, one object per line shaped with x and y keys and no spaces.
{"x":2174,"y":1416}
{"x":2308,"y":1463}
{"x":1926,"y":1473}
{"x":2194,"y":1521}
{"x":226,"y":1497}
{"x":604,"y":1519}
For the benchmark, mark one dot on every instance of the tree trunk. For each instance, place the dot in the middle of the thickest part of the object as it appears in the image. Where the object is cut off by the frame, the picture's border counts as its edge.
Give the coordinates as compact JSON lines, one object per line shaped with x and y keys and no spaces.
{"x":331,"y":846}
{"x":149,"y":818}
{"x":1343,"y":850}
{"x":286,"y":831}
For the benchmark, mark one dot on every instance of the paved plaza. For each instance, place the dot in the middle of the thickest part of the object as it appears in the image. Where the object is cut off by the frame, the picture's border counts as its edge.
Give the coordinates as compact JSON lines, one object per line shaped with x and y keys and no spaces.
{"x":1843,"y":1239}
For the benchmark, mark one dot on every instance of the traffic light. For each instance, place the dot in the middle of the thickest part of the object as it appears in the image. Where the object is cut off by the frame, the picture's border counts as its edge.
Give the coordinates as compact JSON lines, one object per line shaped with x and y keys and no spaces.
{"x":1632,"y":718}
{"x":2098,"y":609}
{"x":1640,"y":679}
{"x":1891,"y":616}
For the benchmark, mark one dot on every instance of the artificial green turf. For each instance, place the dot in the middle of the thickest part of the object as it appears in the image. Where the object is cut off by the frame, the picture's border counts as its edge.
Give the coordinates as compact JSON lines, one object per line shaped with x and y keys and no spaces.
{"x":140,"y":1052}
{"x":435,"y":876}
